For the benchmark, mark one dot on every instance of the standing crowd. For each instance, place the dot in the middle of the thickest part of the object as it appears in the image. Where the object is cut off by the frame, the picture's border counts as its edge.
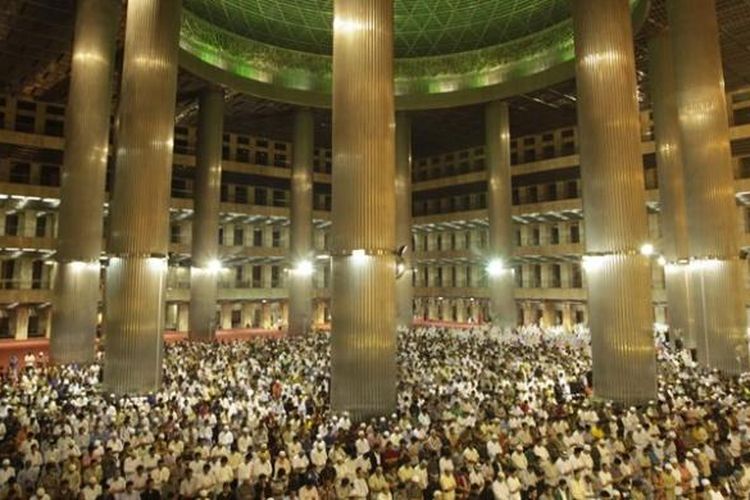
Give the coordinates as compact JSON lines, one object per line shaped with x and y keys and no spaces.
{"x":480,"y":415}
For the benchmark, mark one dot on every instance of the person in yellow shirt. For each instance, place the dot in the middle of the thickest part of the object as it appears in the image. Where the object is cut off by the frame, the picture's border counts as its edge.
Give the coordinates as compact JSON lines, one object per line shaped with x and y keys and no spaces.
{"x":597,"y":432}
{"x":448,"y":485}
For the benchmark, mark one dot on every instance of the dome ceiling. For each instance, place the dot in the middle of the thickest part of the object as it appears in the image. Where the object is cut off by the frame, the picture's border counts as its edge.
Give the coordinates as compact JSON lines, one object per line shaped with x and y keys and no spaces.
{"x":422,"y":27}
{"x":448,"y":52}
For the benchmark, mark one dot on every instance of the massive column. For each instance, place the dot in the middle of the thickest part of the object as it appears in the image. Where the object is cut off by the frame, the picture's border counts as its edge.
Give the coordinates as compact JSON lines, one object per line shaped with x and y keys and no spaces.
{"x":206,"y":202}
{"x":301,"y":263}
{"x":499,"y":271}
{"x":363,"y":355}
{"x":671,"y":187}
{"x":79,"y":242}
{"x":404,"y":289}
{"x":716,"y":269}
{"x":139,"y":224}
{"x":614,"y":203}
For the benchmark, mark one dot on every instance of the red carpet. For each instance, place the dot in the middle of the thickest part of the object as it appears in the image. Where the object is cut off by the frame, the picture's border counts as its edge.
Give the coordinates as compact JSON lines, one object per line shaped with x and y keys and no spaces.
{"x":20,"y":347}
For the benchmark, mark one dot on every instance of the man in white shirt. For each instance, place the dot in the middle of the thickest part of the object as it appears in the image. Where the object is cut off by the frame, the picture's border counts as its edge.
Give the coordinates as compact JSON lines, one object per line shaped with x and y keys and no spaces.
{"x":500,"y":488}
{"x":92,"y":490}
{"x":6,"y":472}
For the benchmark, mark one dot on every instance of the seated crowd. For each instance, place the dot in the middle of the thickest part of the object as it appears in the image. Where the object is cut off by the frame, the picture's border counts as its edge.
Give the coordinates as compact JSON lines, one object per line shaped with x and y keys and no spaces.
{"x":480,"y":415}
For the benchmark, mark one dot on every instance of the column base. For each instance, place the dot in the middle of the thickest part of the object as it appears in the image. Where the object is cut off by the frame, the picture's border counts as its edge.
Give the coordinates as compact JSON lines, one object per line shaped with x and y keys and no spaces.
{"x":202,"y":315}
{"x":681,"y":317}
{"x":134,"y":341}
{"x":363,"y":342}
{"x":74,"y":315}
{"x":502,"y":301}
{"x":300,"y":305}
{"x":720,"y":326}
{"x":620,"y":319}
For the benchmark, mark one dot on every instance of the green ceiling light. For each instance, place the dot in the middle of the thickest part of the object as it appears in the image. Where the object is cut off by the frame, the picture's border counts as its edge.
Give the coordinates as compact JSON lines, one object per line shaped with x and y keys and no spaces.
{"x":448,"y":52}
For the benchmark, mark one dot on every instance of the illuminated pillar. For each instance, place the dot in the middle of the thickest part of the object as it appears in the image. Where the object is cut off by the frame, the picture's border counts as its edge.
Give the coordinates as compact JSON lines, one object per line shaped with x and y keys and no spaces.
{"x":79,"y":240}
{"x":460,"y":311}
{"x":404,"y":289}
{"x":301,"y":258}
{"x":432,"y":310}
{"x":283,"y":314}
{"x":139,"y":238}
{"x":183,"y":317}
{"x":171,"y":316}
{"x":499,"y":271}
{"x":247,"y":315}
{"x":20,"y":322}
{"x":567,"y":316}
{"x":265,"y":315}
{"x":614,"y":203}
{"x":671,"y":187}
{"x":205,"y":269}
{"x":226,"y":316}
{"x":549,"y":314}
{"x":717,"y":271}
{"x":363,"y":351}
{"x":476,"y":311}
{"x":528,"y":314}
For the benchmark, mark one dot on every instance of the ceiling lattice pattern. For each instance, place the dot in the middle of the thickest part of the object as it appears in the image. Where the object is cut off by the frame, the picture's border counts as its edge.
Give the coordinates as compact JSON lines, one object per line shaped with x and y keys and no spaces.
{"x":423,"y":27}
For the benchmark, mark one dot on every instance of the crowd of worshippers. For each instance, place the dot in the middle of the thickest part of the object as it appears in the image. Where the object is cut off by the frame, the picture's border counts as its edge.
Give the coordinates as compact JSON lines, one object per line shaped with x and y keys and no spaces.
{"x":479,"y":415}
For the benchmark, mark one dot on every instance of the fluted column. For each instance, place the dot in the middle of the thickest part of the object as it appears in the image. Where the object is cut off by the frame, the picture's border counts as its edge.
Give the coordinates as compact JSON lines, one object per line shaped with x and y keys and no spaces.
{"x":614,"y":203}
{"x":716,"y":269}
{"x":499,"y":271}
{"x":247,"y":315}
{"x":183,"y":317}
{"x":225,"y":316}
{"x":301,"y":258}
{"x":671,"y":187}
{"x":204,"y":273}
{"x":363,"y":354}
{"x":139,"y":237}
{"x":549,"y":315}
{"x":404,"y":288}
{"x":567,"y":316}
{"x":265,"y":315}
{"x":79,"y":242}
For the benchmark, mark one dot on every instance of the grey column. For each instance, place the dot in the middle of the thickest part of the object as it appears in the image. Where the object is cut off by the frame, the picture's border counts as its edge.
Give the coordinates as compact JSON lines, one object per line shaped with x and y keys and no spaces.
{"x":206,"y":202}
{"x":499,"y":209}
{"x":404,"y":288}
{"x":139,"y":237}
{"x":671,"y":188}
{"x":301,"y":231}
{"x":716,"y":269}
{"x":79,"y":243}
{"x":614,"y":203}
{"x":363,"y":354}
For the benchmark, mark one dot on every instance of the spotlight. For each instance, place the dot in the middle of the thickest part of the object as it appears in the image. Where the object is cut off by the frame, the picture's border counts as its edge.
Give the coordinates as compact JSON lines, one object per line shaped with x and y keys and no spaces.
{"x":661,"y":261}
{"x":647,"y":249}
{"x":495,"y":267}
{"x":214,"y":266}
{"x":359,"y":256}
{"x":304,"y":268}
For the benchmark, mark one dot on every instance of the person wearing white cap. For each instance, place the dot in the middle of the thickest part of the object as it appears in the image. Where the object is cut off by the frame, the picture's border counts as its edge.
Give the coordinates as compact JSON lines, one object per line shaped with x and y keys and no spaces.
{"x":362,"y":445}
{"x":282,"y":463}
{"x":6,"y":472}
{"x":518,"y":458}
{"x":500,"y":488}
{"x":40,"y":494}
{"x":91,"y":489}
{"x":318,"y":456}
